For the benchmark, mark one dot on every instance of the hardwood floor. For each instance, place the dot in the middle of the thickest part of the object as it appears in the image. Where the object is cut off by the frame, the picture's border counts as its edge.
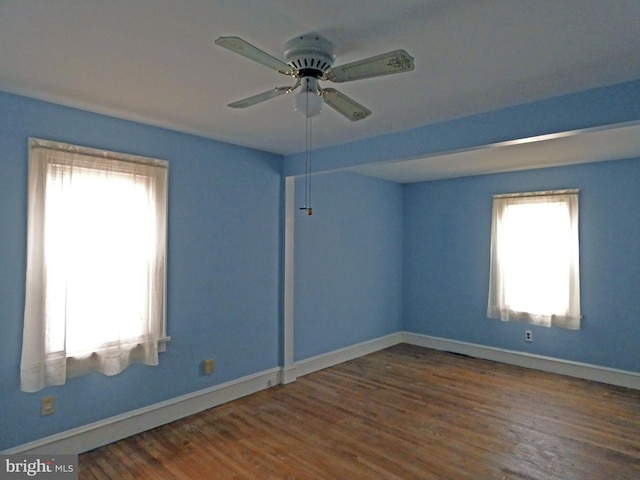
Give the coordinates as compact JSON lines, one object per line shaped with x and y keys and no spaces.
{"x":402,"y":413}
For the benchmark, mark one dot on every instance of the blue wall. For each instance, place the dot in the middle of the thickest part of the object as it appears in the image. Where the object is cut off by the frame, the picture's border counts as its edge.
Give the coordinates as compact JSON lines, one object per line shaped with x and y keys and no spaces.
{"x":375,"y":257}
{"x":348,"y":263}
{"x":447,"y":234}
{"x":223,"y":266}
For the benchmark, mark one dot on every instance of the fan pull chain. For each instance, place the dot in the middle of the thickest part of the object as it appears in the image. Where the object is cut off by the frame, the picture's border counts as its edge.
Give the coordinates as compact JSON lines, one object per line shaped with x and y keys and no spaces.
{"x":307,"y":186}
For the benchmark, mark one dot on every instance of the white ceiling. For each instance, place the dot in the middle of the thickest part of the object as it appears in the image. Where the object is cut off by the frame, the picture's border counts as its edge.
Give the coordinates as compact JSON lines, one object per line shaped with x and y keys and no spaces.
{"x":155,"y":61}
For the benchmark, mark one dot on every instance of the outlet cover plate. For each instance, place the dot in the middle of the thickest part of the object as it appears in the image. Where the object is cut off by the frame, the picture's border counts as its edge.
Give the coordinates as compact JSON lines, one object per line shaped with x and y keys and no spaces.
{"x":207,"y":366}
{"x":47,"y":406}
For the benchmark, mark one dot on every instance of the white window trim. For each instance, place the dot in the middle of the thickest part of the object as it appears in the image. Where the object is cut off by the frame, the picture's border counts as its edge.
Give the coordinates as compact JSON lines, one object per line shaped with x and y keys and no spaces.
{"x":497,"y":307}
{"x":39,"y":369}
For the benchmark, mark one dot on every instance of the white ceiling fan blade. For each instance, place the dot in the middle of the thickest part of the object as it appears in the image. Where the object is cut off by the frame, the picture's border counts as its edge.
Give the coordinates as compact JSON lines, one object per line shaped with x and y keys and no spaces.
{"x":261,"y":97}
{"x":389,"y":63}
{"x":244,"y":48}
{"x":344,"y":105}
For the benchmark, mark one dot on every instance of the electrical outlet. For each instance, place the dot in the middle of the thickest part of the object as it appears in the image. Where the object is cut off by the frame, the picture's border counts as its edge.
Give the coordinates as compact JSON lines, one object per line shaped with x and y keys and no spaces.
{"x":47,"y":406}
{"x":207,"y":366}
{"x":528,"y":336}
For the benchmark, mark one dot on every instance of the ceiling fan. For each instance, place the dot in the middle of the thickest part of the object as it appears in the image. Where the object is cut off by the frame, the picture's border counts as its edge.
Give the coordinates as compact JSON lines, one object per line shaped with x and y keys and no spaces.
{"x":309,"y":58}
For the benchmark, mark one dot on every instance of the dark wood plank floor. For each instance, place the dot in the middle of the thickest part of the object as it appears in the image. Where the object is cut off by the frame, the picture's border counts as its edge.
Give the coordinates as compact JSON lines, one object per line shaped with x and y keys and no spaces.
{"x":401,"y":413}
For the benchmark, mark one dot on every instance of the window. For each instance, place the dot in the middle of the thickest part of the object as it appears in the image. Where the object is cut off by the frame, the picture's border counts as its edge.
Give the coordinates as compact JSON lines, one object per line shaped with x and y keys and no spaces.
{"x":535,"y":274}
{"x":96,"y":255}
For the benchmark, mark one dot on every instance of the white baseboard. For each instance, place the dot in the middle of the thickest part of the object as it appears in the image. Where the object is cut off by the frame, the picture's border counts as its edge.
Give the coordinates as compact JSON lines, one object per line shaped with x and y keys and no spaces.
{"x":585,"y":371}
{"x":289,"y":374}
{"x":326,"y":360}
{"x":115,"y":428}
{"x":106,"y":431}
{"x":103,"y":432}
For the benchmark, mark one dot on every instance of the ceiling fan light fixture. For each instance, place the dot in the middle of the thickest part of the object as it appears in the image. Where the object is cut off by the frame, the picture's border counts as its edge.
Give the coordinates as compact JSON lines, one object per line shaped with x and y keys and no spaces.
{"x":310,"y":58}
{"x":308,"y":100}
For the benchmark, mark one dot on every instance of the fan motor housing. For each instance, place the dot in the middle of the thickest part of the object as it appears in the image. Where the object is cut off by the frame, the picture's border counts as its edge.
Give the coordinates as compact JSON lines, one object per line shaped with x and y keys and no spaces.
{"x":311,"y":54}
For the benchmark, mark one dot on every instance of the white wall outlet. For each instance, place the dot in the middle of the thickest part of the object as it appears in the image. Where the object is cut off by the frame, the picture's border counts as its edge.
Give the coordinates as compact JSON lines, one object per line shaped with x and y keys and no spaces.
{"x":528,"y":336}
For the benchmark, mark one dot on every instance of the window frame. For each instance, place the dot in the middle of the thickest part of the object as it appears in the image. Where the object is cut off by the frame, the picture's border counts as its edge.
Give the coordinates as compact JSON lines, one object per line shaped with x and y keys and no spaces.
{"x":41,"y":365}
{"x":497,"y":306}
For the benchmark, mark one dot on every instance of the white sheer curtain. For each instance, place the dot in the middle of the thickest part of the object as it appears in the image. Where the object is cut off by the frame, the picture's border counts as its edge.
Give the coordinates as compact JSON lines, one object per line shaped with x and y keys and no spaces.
{"x":96,"y":254}
{"x":535,"y":272}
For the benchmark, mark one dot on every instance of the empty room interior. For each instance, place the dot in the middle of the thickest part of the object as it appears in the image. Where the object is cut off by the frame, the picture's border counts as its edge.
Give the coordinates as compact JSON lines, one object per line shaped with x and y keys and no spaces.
{"x":337,"y":239}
